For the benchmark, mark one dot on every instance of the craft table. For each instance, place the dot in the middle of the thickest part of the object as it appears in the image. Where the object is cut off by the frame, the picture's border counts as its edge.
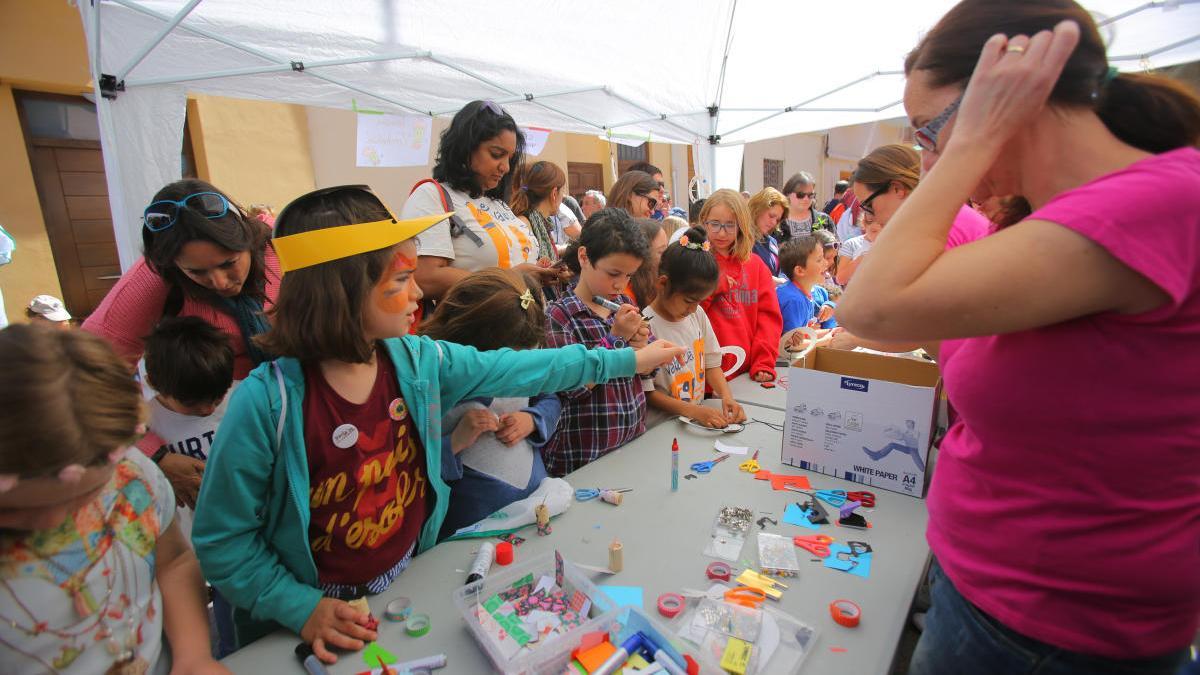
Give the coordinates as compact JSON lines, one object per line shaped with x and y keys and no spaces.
{"x":746,"y":390}
{"x":664,"y":534}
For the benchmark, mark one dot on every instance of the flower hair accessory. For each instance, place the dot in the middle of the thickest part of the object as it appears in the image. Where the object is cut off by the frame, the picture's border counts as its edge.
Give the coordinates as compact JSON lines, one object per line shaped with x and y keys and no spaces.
{"x":526,"y":299}
{"x":684,"y":242}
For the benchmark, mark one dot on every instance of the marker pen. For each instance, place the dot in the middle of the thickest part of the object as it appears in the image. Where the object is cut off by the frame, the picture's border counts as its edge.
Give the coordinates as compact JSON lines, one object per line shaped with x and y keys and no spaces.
{"x":311,"y":663}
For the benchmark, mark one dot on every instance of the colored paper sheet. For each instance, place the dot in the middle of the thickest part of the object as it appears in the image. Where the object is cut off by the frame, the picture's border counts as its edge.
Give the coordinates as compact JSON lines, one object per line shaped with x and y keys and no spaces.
{"x":535,"y":140}
{"x":625,"y":596}
{"x":794,"y":515}
{"x":779,"y":481}
{"x":862,"y":569}
{"x":393,"y":140}
{"x":731,"y":449}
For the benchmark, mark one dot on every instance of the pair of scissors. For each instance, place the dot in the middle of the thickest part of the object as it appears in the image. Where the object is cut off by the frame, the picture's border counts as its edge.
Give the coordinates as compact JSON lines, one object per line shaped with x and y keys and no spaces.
{"x":745,"y":596}
{"x":705,"y":467}
{"x":750,"y":465}
{"x":831,"y":497}
{"x":585,"y":494}
{"x":817,"y":544}
{"x":866,"y":499}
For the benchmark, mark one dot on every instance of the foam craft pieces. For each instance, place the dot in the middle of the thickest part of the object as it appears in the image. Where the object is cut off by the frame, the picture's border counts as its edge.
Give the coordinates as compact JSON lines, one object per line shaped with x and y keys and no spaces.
{"x":624,"y":596}
{"x":780,"y":481}
{"x":592,"y":639}
{"x":862,"y":569}
{"x":373,"y":653}
{"x":794,"y":515}
{"x":592,"y":658}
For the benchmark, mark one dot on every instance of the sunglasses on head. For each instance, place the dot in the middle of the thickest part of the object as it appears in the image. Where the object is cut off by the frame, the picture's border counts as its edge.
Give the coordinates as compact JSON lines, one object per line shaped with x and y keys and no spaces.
{"x":164,"y":213}
{"x":927,"y":136}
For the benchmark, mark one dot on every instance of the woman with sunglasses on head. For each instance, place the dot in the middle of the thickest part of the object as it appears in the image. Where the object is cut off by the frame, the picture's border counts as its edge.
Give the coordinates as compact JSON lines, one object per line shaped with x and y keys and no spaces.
{"x":203,"y":257}
{"x":1049,"y":557}
{"x":472,"y":177}
{"x":637,"y":192}
{"x":768,"y":208}
{"x":537,"y":195}
{"x":803,"y":217}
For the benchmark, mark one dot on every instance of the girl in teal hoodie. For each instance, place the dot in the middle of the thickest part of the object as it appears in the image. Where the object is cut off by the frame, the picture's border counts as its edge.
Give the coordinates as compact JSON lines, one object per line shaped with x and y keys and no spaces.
{"x":326,"y":476}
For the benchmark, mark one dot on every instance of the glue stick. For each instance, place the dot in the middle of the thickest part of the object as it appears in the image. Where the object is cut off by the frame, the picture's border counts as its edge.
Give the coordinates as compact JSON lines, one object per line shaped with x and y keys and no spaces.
{"x":483,"y":562}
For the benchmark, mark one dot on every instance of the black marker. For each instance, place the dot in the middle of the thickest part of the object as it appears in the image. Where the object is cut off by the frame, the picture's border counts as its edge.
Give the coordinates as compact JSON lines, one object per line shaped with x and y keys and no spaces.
{"x":311,"y":663}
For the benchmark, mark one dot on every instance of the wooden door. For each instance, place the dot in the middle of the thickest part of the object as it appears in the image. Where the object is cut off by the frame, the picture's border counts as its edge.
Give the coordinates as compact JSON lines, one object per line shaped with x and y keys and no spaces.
{"x":71,"y":186}
{"x":584,"y":176}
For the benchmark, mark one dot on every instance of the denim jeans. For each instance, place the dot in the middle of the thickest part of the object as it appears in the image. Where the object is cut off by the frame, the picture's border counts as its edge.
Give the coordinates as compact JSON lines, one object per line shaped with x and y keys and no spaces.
{"x":959,"y":638}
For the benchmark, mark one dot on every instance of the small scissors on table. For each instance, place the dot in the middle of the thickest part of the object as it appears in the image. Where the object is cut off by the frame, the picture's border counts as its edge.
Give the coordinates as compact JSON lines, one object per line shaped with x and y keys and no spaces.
{"x":745,"y":596}
{"x":705,"y":467}
{"x":817,"y":544}
{"x":865,"y":498}
{"x":750,"y":465}
{"x":585,"y":494}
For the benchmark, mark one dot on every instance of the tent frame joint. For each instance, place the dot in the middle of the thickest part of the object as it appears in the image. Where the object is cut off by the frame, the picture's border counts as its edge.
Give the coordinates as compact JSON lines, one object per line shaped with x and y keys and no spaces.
{"x":109,"y":86}
{"x":714,"y":139}
{"x":529,"y":97}
{"x":298,"y":66}
{"x":713,"y":110}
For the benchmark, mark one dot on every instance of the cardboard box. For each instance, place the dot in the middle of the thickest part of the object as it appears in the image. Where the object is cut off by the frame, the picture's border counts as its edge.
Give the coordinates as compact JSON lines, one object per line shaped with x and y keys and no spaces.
{"x":862,"y":417}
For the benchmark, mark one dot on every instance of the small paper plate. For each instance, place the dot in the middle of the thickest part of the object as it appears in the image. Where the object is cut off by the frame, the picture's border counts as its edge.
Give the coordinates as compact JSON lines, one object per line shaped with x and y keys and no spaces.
{"x":731,"y":429}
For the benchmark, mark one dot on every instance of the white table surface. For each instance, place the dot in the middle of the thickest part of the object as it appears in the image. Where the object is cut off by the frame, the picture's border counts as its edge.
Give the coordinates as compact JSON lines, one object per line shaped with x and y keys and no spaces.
{"x":664,"y":534}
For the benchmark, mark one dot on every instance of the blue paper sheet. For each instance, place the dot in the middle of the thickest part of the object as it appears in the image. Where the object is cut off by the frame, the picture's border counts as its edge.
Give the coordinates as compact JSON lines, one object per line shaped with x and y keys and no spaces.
{"x":862,"y":569}
{"x":625,"y":596}
{"x":793,"y":515}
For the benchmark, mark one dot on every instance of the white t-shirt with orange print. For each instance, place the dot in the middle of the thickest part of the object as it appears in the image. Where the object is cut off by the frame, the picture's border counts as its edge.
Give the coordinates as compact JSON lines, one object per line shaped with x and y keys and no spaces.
{"x":500,"y":238}
{"x":682,"y":379}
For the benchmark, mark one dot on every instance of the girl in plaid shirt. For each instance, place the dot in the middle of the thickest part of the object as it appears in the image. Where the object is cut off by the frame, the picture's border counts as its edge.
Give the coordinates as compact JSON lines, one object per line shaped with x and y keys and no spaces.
{"x":598,"y":419}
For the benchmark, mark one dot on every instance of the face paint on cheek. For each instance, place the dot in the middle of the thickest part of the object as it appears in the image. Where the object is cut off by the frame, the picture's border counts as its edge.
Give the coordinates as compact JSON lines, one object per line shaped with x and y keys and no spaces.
{"x":402,"y":263}
{"x":396,"y":303}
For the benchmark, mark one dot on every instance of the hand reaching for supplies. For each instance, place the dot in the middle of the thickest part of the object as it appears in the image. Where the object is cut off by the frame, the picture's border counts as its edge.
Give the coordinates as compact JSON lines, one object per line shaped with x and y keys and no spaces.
{"x":474,"y":423}
{"x":334,"y":623}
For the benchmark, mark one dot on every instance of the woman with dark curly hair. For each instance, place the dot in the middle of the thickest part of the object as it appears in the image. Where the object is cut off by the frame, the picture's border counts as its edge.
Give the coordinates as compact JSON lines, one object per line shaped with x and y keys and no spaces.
{"x":473,"y":178}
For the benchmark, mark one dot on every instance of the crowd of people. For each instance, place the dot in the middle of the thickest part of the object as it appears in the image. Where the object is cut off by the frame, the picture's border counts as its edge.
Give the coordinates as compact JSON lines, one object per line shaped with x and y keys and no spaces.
{"x":336,"y":389}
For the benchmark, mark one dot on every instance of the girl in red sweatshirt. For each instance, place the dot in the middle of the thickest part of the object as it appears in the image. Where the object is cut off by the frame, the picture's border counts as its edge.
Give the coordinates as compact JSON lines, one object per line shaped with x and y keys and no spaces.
{"x":744,"y":311}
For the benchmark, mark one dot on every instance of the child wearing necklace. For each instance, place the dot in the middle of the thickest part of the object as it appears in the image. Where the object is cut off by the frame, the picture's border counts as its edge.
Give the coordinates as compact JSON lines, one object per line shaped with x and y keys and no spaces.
{"x":93,"y":567}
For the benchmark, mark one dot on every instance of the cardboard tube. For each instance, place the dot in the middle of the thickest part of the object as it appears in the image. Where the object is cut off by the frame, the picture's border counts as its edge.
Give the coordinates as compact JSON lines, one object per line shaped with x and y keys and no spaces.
{"x":616,"y":556}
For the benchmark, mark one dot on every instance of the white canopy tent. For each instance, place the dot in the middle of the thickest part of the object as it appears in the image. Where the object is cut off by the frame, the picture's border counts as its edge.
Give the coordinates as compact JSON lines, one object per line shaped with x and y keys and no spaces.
{"x":715,"y":74}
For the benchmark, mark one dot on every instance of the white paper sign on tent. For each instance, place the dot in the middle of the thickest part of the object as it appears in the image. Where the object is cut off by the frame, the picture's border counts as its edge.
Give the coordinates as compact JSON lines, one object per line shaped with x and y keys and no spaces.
{"x":393,"y":140}
{"x":535,"y":140}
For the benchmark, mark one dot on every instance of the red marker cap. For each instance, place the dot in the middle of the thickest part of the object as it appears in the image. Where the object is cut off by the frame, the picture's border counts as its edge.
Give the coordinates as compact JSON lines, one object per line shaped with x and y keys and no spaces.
{"x":504,"y":553}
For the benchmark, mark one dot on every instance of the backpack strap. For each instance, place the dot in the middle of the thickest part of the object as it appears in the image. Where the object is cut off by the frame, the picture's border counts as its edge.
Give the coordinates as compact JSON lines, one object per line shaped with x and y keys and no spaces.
{"x":457,"y":227}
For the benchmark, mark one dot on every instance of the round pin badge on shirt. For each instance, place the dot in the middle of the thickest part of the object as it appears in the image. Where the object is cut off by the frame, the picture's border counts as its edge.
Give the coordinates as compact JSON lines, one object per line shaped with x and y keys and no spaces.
{"x":345,"y":436}
{"x":397,"y":409}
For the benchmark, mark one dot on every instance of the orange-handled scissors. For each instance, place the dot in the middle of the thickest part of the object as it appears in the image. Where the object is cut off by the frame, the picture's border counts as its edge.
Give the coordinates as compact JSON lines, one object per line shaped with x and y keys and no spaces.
{"x":817,"y":544}
{"x":745,"y":596}
{"x":750,"y":465}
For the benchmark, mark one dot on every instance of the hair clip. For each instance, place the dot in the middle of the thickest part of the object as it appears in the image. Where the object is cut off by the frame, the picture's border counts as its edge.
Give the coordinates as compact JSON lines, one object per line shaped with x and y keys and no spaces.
{"x":684,"y":242}
{"x":524,"y":188}
{"x":526,"y":299}
{"x":71,"y":473}
{"x":8,"y":481}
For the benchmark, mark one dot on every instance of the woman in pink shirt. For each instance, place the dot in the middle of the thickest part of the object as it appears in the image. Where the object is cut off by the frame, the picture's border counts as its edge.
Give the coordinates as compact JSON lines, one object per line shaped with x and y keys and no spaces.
{"x":1064,"y":513}
{"x":202,"y":257}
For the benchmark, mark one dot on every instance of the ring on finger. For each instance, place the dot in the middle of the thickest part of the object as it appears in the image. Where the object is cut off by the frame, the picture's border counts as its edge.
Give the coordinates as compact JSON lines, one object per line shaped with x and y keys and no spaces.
{"x":1015,"y":48}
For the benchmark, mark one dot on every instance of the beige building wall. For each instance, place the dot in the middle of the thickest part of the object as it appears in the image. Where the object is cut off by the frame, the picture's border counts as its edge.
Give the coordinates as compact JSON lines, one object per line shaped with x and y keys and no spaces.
{"x":333,"y":141}
{"x":255,"y":151}
{"x":42,"y":48}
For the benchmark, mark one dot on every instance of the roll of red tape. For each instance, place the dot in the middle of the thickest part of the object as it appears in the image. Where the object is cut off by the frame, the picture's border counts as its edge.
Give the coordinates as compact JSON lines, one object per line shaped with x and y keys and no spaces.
{"x":845,"y":613}
{"x":504,"y":553}
{"x":670,"y":605}
{"x":719,"y":571}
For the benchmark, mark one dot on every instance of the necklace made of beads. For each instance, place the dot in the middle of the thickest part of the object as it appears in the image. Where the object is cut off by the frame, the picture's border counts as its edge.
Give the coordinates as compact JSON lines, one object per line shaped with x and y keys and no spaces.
{"x":123,"y":648}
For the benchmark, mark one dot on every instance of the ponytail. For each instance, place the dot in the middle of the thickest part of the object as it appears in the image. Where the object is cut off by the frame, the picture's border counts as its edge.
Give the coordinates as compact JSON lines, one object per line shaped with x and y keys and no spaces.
{"x":1150,"y":112}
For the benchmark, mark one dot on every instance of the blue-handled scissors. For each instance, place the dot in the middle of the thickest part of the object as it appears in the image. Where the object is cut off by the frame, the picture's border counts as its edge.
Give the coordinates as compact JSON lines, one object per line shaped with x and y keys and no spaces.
{"x":705,"y":467}
{"x":831,"y":497}
{"x":585,"y":494}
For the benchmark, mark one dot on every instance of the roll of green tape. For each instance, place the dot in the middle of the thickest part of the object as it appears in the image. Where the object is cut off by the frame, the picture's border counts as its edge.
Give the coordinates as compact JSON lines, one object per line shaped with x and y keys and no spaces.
{"x":418,"y":625}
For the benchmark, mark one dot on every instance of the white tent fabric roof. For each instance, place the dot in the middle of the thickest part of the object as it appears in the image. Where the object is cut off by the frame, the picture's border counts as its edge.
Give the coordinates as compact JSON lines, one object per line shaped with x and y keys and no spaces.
{"x":650,"y":70}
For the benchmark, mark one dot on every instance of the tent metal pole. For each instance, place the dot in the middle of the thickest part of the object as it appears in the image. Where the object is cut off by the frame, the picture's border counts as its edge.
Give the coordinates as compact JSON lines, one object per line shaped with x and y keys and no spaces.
{"x":814,"y":98}
{"x":158,"y":38}
{"x":1155,"y":52}
{"x":95,"y":17}
{"x":551,"y":108}
{"x":656,"y":118}
{"x":1141,"y":8}
{"x":273,"y":68}
{"x":530,"y":97}
{"x":661,"y":118}
{"x":265,"y":56}
{"x":474,"y":76}
{"x":724,"y":63}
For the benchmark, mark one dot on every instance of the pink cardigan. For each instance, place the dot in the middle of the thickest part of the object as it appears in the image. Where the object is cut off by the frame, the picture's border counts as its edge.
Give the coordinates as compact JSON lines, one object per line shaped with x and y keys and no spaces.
{"x":135,"y":304}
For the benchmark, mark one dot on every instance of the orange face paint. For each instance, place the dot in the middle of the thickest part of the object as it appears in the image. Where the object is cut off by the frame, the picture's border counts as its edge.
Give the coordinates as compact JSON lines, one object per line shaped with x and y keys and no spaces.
{"x":397,"y":302}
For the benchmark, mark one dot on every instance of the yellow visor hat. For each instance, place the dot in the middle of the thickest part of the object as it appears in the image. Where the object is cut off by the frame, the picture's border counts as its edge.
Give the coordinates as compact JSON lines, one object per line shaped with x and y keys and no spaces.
{"x":297,"y":251}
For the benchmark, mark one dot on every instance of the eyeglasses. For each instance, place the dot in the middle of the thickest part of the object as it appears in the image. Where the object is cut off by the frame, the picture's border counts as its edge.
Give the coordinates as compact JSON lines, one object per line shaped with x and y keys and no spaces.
{"x":802,"y":195}
{"x":866,"y":203}
{"x":161,"y":215}
{"x":927,"y":136}
{"x":653,"y":202}
{"x":718,"y":226}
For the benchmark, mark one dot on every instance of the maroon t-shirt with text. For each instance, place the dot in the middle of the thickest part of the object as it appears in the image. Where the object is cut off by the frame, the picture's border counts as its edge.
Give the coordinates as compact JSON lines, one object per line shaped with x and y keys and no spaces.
{"x":368,"y":482}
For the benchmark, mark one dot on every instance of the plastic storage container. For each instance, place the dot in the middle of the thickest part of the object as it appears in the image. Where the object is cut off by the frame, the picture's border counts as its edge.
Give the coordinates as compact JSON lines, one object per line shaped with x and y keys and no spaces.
{"x":551,"y":653}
